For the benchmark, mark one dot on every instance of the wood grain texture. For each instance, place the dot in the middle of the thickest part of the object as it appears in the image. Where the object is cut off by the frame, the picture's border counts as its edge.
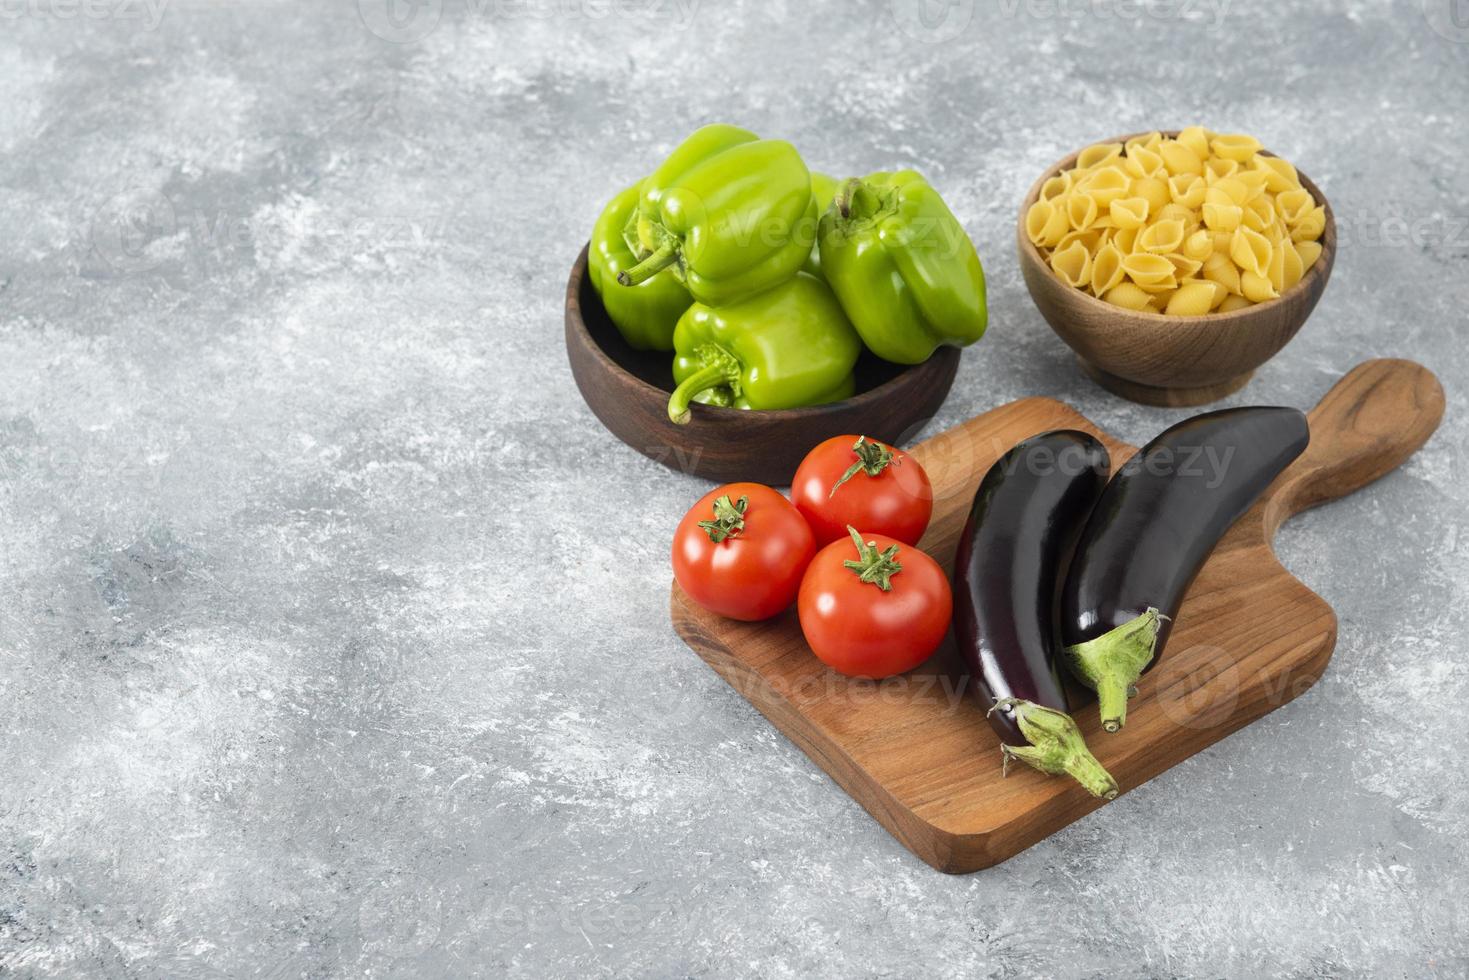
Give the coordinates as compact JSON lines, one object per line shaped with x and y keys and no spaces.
{"x":1170,"y":360}
{"x":628,"y":392}
{"x":916,"y":752}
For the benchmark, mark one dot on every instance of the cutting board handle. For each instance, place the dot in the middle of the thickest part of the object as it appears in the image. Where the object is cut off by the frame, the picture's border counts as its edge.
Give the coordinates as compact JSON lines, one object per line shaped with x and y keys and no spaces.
{"x":1374,"y":418}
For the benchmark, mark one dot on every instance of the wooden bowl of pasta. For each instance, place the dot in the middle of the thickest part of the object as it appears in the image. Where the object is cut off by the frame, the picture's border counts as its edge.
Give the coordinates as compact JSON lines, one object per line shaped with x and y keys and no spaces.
{"x":1147,"y":355}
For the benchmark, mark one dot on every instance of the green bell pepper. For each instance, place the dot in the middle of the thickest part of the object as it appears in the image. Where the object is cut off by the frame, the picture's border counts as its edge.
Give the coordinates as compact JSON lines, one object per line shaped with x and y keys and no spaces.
{"x":788,"y":347}
{"x":731,"y":213}
{"x":902,"y":266}
{"x":645,"y":314}
{"x":823,"y":189}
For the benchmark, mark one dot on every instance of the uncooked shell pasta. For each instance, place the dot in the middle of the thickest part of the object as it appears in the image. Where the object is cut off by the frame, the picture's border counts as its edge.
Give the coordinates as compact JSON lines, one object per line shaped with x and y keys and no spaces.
{"x":1201,"y":223}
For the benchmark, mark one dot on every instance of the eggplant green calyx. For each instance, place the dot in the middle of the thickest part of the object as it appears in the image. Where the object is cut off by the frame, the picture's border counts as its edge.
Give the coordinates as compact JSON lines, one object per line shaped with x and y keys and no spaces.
{"x":729,"y":519}
{"x":872,"y":459}
{"x":872,"y":566}
{"x":1056,"y":747}
{"x":1112,"y":663}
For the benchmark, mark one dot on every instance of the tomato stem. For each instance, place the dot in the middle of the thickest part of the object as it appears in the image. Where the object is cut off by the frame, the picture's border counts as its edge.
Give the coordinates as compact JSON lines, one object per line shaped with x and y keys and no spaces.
{"x":729,"y":519}
{"x":872,"y":566}
{"x":872,"y":459}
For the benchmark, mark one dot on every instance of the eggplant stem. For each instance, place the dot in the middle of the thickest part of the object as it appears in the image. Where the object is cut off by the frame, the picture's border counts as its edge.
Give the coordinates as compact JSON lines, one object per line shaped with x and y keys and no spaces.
{"x":1112,"y":663}
{"x":1056,"y":747}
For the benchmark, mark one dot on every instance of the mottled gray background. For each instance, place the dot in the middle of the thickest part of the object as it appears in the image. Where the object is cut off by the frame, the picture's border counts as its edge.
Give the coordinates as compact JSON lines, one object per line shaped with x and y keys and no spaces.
{"x":334,"y":627}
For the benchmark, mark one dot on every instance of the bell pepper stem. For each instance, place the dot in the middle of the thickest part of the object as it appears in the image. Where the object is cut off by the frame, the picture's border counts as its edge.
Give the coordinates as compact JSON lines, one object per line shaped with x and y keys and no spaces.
{"x":856,"y":199}
{"x":701,"y":380}
{"x":655,"y":263}
{"x":1112,"y":663}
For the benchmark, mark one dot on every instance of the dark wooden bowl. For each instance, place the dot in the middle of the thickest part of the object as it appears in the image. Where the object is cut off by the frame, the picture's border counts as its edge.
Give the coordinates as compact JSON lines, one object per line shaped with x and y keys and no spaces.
{"x":1170,"y":360}
{"x":628,"y":391}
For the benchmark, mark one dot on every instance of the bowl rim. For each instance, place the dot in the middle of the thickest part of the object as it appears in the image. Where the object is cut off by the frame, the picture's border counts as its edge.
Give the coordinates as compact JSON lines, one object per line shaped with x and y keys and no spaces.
{"x":935,"y":365}
{"x":1319,"y":271}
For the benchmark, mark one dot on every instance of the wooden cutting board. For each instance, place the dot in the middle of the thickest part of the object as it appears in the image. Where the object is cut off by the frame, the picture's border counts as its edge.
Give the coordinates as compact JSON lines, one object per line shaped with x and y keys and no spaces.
{"x":916,"y":751}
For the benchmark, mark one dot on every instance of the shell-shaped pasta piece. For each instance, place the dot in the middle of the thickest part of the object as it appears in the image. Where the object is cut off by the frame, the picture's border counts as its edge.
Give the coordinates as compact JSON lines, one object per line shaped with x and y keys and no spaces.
{"x":1234,"y":302}
{"x":1293,"y":204}
{"x":1057,"y":186}
{"x":1177,"y":212}
{"x":1081,"y":211}
{"x":1310,"y":226}
{"x":1158,"y":302}
{"x":1222,"y":217}
{"x":1192,"y":299}
{"x":1309,"y":253}
{"x":1129,"y":212}
{"x":1154,"y":190}
{"x":1216,"y":169}
{"x":1279,"y":174}
{"x":1126,"y":239}
{"x":1147,"y":269}
{"x":1219,"y":268}
{"x":1228,"y":190}
{"x":1253,"y":181}
{"x":1106,"y":185}
{"x":1073,"y":264}
{"x":1253,"y":221}
{"x":1199,"y":245}
{"x":1196,"y":138}
{"x":1097,"y":154}
{"x":1142,"y":162}
{"x":1127,"y":296}
{"x":1045,"y":224}
{"x":1161,"y":286}
{"x":1184,"y":267}
{"x":1251,"y":251}
{"x":1257,"y":288}
{"x":1089,"y":239}
{"x":1234,"y":146}
{"x":1220,"y":294}
{"x":1222,"y":240}
{"x":1147,"y":141}
{"x":1107,"y":269}
{"x":1179,"y":159}
{"x":1162,"y":237}
{"x":1187,"y":190}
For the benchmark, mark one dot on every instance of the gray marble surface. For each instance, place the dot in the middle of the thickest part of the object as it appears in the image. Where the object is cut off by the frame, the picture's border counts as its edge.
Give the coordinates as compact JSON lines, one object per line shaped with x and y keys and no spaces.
{"x":333,"y":627}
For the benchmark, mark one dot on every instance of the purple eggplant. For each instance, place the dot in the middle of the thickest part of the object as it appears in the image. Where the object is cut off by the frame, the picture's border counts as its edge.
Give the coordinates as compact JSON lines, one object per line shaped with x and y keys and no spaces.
{"x":1150,"y":534}
{"x":1027,"y":515}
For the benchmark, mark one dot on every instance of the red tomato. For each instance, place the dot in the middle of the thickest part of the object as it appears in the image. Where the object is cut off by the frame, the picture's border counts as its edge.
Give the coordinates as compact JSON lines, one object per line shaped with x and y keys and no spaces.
{"x":860,"y":630}
{"x":888,"y":492}
{"x":753,"y":570}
